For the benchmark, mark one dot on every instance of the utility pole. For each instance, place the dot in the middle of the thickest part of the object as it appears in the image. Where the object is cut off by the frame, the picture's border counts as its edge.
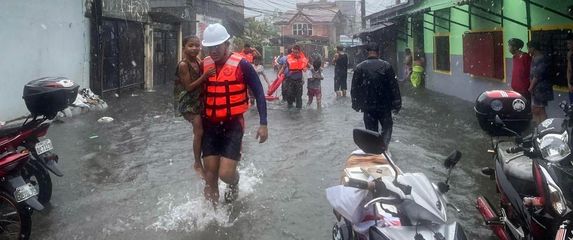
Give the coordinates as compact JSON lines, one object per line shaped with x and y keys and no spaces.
{"x":363,"y":13}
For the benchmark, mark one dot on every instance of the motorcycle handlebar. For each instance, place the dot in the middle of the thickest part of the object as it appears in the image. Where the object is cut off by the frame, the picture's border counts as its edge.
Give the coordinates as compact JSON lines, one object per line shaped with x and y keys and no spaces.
{"x":515,"y":149}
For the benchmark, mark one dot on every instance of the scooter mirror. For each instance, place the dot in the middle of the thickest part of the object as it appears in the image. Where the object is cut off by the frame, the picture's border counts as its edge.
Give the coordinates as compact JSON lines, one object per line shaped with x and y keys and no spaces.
{"x":443,"y":187}
{"x":369,"y":141}
{"x":453,"y":159}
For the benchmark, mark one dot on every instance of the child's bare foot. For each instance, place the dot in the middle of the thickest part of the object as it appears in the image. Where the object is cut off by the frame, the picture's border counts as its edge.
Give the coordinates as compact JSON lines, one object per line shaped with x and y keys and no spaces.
{"x":198,"y":167}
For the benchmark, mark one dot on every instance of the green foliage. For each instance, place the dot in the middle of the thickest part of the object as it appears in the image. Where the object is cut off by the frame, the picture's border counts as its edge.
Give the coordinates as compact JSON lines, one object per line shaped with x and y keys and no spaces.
{"x":257,"y":33}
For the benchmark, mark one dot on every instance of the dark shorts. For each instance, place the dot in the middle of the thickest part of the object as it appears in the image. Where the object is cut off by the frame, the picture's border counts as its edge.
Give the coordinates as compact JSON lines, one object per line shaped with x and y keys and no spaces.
{"x":340,"y":81}
{"x":314,"y":92}
{"x":537,"y":103}
{"x":223,"y":138}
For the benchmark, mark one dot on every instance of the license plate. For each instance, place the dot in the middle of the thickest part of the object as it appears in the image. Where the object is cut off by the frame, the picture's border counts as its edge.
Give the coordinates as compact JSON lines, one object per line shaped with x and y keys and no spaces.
{"x":24,"y":192}
{"x":44,"y":146}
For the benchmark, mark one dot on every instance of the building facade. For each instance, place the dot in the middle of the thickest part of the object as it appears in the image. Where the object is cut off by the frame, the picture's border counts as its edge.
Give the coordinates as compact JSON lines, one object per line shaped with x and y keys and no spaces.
{"x":316,"y":22}
{"x":40,"y":39}
{"x":465,"y":41}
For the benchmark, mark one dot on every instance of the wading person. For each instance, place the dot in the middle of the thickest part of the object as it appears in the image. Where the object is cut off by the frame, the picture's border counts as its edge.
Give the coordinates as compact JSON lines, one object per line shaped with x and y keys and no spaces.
{"x":417,"y":75}
{"x":282,"y":65}
{"x":189,"y":93}
{"x":296,"y":62}
{"x":249,"y":53}
{"x":375,"y":92}
{"x":541,"y":88}
{"x":521,"y":68}
{"x":260,"y":69}
{"x":225,"y":102}
{"x":313,"y":83}
{"x":340,"y":62}
{"x":407,"y":64}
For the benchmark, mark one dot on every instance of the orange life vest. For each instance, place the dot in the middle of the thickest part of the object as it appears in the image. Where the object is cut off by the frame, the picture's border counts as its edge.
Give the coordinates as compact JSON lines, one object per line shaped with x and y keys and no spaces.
{"x":297,"y":64}
{"x":225,"y":95}
{"x":249,"y":56}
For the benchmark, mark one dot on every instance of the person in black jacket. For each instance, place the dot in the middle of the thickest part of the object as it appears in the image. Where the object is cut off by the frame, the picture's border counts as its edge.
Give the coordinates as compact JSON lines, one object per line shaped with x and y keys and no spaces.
{"x":375,"y":92}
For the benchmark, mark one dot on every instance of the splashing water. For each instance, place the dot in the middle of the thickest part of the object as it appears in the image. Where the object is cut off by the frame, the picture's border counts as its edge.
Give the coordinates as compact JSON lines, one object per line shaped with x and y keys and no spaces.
{"x":197,"y":214}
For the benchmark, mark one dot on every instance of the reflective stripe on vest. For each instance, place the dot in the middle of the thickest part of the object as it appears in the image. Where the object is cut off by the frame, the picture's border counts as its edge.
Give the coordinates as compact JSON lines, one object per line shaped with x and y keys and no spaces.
{"x":297,"y":64}
{"x":226,"y":96}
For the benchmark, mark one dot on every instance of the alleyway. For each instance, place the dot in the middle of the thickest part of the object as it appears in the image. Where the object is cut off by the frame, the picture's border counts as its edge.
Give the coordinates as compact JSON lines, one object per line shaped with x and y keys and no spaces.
{"x":132,"y":178}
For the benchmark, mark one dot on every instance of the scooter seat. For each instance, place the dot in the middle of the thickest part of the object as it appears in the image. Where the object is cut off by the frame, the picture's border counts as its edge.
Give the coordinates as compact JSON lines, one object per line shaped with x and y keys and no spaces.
{"x":10,"y":129}
{"x":375,"y":165}
{"x":518,"y":168}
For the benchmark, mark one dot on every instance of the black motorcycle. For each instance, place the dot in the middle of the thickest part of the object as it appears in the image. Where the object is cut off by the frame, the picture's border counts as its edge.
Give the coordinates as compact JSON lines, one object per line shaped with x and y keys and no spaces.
{"x":44,"y":98}
{"x":534,"y":174}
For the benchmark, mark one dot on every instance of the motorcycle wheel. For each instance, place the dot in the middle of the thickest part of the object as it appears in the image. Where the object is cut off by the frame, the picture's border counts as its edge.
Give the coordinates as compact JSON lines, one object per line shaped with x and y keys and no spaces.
{"x":38,"y":176}
{"x":342,"y":230}
{"x":15,"y":220}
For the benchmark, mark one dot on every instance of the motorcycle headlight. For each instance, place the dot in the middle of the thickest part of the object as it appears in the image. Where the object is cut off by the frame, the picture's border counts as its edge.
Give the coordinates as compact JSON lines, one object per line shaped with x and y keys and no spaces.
{"x":557,"y":200}
{"x":554,"y":147}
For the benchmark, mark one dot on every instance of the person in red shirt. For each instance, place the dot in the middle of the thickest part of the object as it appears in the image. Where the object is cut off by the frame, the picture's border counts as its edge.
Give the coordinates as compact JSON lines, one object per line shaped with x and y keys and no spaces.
{"x":521,"y":69}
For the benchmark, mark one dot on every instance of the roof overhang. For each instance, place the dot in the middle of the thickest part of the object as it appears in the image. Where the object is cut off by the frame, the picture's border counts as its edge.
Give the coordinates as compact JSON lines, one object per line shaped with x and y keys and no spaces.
{"x":380,"y":27}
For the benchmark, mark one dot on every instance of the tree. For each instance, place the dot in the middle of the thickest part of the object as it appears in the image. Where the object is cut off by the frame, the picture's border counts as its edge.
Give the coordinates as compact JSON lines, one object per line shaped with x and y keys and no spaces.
{"x":256,"y":33}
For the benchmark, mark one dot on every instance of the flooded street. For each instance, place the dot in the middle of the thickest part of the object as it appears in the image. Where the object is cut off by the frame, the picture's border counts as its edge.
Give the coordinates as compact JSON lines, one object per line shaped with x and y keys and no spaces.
{"x":133,"y":179}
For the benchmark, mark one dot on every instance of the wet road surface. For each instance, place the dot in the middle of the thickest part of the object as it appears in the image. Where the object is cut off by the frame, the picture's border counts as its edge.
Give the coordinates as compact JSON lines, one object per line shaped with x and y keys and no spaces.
{"x":133,"y":179}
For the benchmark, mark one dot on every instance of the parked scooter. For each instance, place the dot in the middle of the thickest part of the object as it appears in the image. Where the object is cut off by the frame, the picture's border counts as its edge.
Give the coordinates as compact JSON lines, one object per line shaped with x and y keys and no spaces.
{"x":44,"y":98}
{"x":17,"y":197}
{"x":534,"y":174}
{"x":378,"y":201}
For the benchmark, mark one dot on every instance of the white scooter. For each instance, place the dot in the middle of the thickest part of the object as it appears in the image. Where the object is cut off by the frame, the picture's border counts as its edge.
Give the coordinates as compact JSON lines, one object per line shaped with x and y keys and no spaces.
{"x":378,"y":201}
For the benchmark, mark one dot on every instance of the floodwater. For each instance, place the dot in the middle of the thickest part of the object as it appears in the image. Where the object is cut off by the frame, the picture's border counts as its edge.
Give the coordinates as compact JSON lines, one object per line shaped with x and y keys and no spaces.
{"x":133,"y":179}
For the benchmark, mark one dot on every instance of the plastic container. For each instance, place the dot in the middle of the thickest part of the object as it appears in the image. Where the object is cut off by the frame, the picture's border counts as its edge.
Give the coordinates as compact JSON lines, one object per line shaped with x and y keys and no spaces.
{"x":510,"y":106}
{"x":47,"y":96}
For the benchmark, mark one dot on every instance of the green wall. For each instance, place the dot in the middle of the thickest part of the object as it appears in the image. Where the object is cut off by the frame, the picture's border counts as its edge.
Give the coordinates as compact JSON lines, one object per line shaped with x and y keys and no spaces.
{"x":513,"y":9}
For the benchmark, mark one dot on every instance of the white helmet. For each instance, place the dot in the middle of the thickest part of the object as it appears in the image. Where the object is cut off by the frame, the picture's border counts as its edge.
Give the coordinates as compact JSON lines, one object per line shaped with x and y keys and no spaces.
{"x":214,"y":35}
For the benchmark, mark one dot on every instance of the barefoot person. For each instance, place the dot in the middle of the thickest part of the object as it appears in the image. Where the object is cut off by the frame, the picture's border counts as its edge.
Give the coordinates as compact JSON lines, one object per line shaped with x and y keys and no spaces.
{"x":189,"y":93}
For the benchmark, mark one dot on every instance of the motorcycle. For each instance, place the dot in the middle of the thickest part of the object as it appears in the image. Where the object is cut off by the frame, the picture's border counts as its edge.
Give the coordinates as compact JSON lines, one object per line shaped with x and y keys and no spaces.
{"x":17,"y":198}
{"x":379,"y":201}
{"x":44,"y":97}
{"x":42,"y":156}
{"x":533,"y":174}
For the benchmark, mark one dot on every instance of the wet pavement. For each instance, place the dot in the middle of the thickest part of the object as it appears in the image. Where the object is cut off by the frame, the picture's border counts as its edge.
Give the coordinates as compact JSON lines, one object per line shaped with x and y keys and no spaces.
{"x":133,"y":179}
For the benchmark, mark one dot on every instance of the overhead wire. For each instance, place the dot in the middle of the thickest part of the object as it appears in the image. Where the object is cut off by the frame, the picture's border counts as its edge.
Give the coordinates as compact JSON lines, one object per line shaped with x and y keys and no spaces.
{"x":263,"y":11}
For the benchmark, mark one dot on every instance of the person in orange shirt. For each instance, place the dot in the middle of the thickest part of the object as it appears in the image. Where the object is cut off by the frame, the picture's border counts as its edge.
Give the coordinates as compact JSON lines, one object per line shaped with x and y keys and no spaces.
{"x":296,"y":63}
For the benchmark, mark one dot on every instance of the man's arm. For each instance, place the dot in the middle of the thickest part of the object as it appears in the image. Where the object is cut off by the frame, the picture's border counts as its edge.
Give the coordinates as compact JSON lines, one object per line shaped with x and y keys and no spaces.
{"x":354,"y":85}
{"x":251,"y":77}
{"x":185,"y":77}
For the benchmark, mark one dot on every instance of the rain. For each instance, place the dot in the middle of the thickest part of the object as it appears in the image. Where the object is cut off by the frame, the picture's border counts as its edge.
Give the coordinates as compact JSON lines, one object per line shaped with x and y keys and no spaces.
{"x":123,"y":138}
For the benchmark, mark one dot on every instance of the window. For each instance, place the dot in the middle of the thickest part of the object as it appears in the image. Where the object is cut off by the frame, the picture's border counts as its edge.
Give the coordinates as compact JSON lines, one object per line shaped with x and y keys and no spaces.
{"x":483,"y":54}
{"x":554,"y":45}
{"x":302,"y":29}
{"x":442,"y":53}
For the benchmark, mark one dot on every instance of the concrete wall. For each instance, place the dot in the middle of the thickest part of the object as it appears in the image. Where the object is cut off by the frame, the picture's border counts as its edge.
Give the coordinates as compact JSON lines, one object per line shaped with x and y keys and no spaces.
{"x":39,"y":39}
